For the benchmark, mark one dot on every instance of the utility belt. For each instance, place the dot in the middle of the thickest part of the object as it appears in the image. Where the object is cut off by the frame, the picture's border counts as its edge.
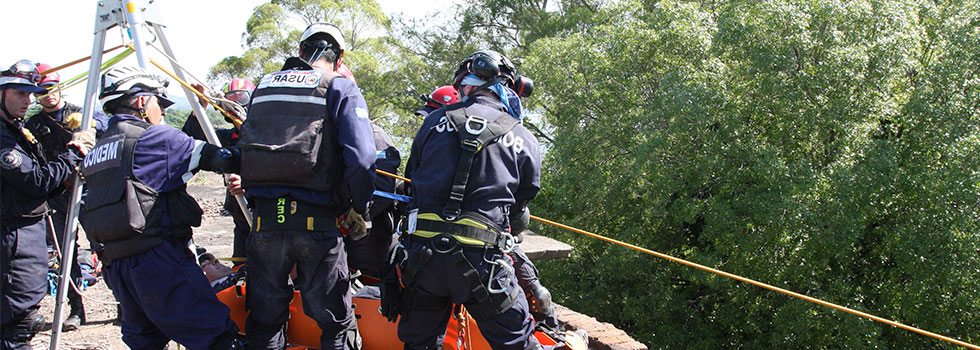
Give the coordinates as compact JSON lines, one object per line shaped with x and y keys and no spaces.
{"x":286,"y":213}
{"x":470,"y":229}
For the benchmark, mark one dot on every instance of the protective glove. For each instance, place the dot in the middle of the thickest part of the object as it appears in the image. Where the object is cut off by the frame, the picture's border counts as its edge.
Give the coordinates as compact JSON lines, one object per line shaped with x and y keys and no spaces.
{"x":391,"y":289}
{"x":391,"y":297}
{"x":539,"y":301}
{"x":74,"y":121}
{"x":353,"y":224}
{"x":84,"y":140}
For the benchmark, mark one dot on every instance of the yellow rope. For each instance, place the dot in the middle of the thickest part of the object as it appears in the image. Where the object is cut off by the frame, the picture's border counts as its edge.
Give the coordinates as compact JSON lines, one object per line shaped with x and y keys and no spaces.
{"x":238,"y":123}
{"x":743,"y":279}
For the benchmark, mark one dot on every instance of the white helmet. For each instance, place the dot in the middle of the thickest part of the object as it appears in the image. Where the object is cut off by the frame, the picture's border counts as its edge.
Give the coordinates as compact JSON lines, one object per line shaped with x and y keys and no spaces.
{"x":22,"y":76}
{"x":330,"y":29}
{"x":120,"y":82}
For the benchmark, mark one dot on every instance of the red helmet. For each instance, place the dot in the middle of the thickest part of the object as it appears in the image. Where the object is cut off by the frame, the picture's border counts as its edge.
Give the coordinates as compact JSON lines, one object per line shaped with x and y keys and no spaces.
{"x":48,"y":79}
{"x":346,"y":72}
{"x":239,"y":90}
{"x":442,"y":97}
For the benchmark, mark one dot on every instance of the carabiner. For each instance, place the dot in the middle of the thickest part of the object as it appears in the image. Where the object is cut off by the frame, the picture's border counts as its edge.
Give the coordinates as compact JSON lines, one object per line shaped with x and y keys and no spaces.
{"x":510,"y":275}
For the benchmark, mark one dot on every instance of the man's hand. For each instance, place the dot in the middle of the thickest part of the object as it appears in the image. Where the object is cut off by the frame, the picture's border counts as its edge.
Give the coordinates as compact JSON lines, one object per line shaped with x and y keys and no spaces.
{"x":74,"y":121}
{"x":84,"y":140}
{"x":200,"y":88}
{"x":352,"y":224}
{"x":235,"y":185}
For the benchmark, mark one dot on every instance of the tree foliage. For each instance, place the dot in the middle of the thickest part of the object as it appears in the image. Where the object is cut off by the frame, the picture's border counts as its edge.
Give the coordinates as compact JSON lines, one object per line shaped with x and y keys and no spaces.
{"x":825,"y":147}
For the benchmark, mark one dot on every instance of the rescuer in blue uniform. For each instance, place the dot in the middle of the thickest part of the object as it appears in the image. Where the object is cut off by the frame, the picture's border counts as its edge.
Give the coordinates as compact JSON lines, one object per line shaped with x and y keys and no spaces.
{"x":472,"y":165}
{"x":138,"y":208}
{"x":27,"y":183}
{"x":308,"y":170}
{"x":53,"y":126}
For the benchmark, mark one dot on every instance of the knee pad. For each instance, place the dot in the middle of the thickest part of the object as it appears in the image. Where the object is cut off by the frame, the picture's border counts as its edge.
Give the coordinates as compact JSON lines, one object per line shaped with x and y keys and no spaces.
{"x":25,"y":329}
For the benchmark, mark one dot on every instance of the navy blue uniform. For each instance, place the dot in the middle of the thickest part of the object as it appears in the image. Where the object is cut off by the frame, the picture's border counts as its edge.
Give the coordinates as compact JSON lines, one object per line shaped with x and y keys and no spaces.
{"x":505,"y":172}
{"x":228,"y":138}
{"x":425,"y":111}
{"x":368,"y":253}
{"x":27,"y":183}
{"x":53,"y":134}
{"x":162,"y":292}
{"x":317,"y":252}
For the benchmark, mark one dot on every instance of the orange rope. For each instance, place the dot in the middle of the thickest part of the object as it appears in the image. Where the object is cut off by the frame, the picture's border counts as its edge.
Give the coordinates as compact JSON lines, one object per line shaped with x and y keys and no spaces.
{"x":69,"y":64}
{"x":743,"y":279}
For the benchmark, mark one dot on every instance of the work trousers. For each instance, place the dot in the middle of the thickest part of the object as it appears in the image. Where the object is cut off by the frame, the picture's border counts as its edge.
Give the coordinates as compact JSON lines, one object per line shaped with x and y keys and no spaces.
{"x":24,"y":264}
{"x":424,"y":327}
{"x":322,"y":278}
{"x":164,"y":295}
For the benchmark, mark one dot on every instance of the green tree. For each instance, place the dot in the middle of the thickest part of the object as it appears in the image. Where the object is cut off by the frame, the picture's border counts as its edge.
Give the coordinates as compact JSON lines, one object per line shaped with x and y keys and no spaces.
{"x":825,"y":147}
{"x":381,"y":66}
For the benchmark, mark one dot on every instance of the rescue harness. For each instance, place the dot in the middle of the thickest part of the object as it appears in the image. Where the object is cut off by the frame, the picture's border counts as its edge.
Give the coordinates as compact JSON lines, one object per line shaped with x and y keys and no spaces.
{"x":454,"y":230}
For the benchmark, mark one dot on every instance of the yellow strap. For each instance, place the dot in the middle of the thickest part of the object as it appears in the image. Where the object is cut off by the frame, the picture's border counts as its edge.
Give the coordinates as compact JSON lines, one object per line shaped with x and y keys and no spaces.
{"x":309,"y":223}
{"x":461,"y":239}
{"x":258,"y":223}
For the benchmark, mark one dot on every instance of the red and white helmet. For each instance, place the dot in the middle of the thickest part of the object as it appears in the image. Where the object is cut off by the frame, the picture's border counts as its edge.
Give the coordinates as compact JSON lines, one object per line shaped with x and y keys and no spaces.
{"x":239,"y":90}
{"x":47,"y":80}
{"x":442,"y":97}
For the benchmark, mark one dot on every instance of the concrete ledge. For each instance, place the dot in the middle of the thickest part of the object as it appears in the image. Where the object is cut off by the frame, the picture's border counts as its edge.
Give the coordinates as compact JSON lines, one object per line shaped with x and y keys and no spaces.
{"x":602,"y":335}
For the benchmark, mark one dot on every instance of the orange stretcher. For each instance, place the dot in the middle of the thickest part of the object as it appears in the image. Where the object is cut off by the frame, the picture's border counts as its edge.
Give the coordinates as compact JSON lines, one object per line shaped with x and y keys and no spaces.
{"x":376,"y":332}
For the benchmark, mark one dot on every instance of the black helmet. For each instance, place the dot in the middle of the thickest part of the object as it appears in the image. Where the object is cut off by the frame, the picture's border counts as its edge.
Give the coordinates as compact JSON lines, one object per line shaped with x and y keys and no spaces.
{"x":489,"y":65}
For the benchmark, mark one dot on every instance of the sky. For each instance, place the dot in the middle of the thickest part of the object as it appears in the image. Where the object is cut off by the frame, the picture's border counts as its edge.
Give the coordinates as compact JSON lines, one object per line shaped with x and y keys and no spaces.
{"x":200,"y":32}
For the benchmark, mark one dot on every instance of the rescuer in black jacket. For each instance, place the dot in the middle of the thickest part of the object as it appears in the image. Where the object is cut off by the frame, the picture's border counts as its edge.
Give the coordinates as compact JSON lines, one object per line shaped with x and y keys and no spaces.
{"x":27,"y":184}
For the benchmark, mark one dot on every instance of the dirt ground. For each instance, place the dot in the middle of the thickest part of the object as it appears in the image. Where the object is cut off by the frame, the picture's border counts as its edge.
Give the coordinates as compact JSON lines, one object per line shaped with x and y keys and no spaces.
{"x":102,"y":329}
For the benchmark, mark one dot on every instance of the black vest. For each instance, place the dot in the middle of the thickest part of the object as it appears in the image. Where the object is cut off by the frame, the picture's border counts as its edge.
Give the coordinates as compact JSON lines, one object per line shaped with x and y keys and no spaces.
{"x":288,"y":140}
{"x":122,"y":212}
{"x":52,"y":134}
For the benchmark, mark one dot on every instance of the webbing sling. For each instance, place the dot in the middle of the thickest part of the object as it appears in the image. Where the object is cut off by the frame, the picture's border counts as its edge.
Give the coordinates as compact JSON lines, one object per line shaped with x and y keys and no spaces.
{"x":474,"y":132}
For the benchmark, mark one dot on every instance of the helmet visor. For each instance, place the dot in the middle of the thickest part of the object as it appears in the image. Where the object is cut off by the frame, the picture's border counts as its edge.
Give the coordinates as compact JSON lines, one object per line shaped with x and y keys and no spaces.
{"x":240,"y":97}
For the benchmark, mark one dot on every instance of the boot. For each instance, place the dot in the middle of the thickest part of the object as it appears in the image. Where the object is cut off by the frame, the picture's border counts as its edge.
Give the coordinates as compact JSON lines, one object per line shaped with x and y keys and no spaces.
{"x":76,"y":317}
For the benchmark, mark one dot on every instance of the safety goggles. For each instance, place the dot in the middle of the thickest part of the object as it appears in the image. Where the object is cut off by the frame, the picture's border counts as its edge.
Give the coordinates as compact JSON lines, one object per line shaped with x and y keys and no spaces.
{"x":240,"y":97}
{"x":24,"y":69}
